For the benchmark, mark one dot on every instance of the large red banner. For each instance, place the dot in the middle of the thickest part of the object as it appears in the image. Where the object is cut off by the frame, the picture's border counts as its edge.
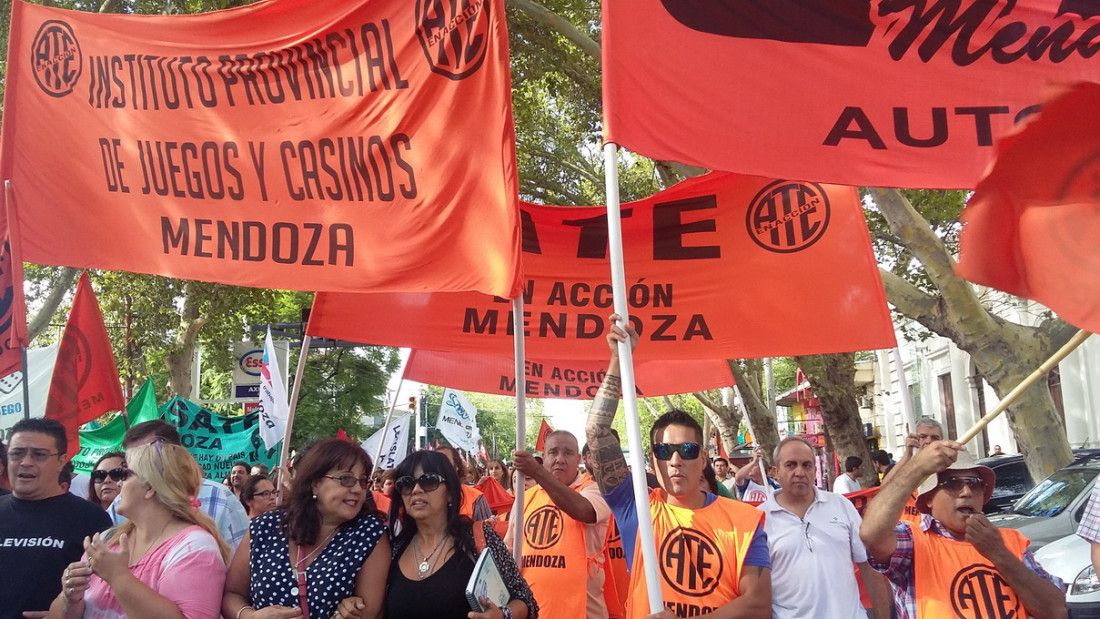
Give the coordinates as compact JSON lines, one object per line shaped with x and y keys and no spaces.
{"x":577,"y":379}
{"x":1031,"y":226}
{"x":860,"y":92}
{"x":284,"y":144}
{"x":720,"y":266}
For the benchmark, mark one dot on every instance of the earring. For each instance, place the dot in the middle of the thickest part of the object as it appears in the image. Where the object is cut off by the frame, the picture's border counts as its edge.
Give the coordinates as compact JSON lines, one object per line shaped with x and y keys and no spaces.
{"x":314,"y":496}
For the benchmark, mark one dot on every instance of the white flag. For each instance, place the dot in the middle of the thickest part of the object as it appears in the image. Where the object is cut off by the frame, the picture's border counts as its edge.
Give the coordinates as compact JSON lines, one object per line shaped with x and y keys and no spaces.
{"x":458,"y":421}
{"x":273,"y":409}
{"x":395,"y":443}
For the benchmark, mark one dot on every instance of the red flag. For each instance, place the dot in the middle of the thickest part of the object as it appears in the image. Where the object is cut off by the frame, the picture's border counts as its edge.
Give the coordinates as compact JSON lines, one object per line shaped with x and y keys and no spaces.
{"x":498,"y":498}
{"x":341,"y":434}
{"x":12,"y":312}
{"x":721,"y":447}
{"x":481,"y":453}
{"x":1030,"y":228}
{"x":858,"y":92}
{"x":544,"y":431}
{"x":85,"y":381}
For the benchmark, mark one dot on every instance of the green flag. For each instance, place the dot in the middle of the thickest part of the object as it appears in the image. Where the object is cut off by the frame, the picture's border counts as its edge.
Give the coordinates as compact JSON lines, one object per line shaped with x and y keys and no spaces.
{"x":108,"y":438}
{"x":216,"y":441}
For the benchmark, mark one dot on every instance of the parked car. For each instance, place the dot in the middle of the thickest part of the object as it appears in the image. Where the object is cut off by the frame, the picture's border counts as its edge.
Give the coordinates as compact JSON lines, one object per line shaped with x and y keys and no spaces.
{"x":1013,"y":480}
{"x":1070,"y":559}
{"x":1052,"y":509}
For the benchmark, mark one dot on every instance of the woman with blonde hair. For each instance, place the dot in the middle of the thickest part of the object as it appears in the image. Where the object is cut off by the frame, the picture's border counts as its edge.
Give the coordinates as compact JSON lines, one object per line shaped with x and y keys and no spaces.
{"x":161,"y":561}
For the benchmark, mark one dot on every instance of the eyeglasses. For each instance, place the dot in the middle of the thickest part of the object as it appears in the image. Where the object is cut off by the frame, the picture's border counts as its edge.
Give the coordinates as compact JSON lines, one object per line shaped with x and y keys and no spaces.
{"x":38,"y":455}
{"x":687,"y":451}
{"x":349,"y":481}
{"x":954,"y":484}
{"x":809,"y":540}
{"x":428,"y":482}
{"x":116,"y":474}
{"x":269,"y":493}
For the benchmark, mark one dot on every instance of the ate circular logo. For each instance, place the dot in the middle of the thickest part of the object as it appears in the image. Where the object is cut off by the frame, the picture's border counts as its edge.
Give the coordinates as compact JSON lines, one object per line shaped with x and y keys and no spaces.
{"x":979,"y":592}
{"x":55,"y":58}
{"x":454,"y":35}
{"x":543,"y":528}
{"x":690,"y":563}
{"x":788,"y":216}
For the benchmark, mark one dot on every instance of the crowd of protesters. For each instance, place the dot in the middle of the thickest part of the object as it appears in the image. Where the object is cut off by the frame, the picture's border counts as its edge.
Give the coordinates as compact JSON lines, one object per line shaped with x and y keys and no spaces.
{"x":156,"y":539}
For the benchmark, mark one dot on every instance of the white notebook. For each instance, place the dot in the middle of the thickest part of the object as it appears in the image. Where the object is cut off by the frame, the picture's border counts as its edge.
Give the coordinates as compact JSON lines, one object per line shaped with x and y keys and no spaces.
{"x":486,"y":582}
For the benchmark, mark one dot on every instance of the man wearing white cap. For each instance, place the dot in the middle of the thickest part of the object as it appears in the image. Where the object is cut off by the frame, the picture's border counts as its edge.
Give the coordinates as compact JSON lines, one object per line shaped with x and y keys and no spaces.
{"x":955,"y":563}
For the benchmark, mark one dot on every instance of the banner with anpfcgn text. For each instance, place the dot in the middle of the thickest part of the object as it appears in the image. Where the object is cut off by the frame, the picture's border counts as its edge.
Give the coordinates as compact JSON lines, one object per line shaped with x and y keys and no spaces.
{"x":285,"y":144}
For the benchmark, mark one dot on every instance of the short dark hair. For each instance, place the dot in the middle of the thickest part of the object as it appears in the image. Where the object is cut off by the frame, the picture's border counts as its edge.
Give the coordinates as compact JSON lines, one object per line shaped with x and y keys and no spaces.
{"x":241,"y":463}
{"x":156,"y":427}
{"x":264,"y":470}
{"x":248,"y":490}
{"x":43,"y":425}
{"x":881,"y":457}
{"x":66,"y":474}
{"x":720,"y":459}
{"x":852,"y":463}
{"x":675,"y":417}
{"x":302,"y":520}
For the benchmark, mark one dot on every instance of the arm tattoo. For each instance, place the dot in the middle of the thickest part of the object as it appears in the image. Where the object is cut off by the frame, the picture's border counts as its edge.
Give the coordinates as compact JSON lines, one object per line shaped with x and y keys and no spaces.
{"x":611,"y":469}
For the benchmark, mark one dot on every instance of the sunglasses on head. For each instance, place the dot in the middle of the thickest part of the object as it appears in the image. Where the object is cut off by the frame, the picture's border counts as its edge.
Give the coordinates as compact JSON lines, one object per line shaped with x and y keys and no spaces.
{"x":116,"y":474}
{"x":427,"y":482}
{"x":687,"y":451}
{"x":954,"y":484}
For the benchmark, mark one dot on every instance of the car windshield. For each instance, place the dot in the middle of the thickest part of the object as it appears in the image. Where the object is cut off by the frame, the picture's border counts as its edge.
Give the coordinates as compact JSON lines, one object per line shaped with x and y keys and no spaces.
{"x":1055,"y":493}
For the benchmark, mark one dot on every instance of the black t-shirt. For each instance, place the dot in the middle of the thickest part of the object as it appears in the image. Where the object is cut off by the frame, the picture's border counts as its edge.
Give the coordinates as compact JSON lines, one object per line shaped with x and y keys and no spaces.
{"x":38,"y":540}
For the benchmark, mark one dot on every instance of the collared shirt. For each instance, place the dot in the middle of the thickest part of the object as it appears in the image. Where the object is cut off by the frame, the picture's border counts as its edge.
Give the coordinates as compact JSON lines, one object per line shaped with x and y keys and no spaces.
{"x":218,"y":502}
{"x":1090,"y":520}
{"x":823,"y":541}
{"x":899,"y":568}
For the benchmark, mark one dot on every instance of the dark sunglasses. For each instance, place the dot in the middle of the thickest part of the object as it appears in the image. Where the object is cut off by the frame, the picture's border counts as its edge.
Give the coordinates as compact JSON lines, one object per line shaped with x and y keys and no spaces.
{"x":687,"y":451}
{"x":349,"y":481}
{"x":116,"y":474}
{"x":427,"y":482}
{"x":954,"y":484}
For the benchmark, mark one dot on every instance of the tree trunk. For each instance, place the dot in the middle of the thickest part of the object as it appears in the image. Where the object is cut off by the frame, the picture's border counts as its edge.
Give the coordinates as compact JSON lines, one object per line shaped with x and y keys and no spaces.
{"x":749,"y":382}
{"x":1004,"y":353}
{"x":723,"y":414}
{"x":179,"y":359}
{"x":833,"y":380}
{"x":57,"y":293}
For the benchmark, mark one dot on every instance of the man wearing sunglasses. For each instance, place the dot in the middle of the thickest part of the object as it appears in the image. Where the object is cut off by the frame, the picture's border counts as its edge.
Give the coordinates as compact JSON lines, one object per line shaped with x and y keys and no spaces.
{"x":564,"y":527}
{"x":42,"y":527}
{"x":955,"y":562}
{"x":712,"y":551}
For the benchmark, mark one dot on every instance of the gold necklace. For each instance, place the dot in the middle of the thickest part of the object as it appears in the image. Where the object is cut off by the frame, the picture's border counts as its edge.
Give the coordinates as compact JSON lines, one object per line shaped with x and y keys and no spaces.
{"x":150,"y":546}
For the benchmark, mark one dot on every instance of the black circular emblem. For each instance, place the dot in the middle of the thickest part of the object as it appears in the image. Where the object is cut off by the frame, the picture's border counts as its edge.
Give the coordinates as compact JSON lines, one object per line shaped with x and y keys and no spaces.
{"x":454,"y":35}
{"x":55,"y":58}
{"x":788,"y":216}
{"x":543,"y":528}
{"x":979,"y":592}
{"x":690,"y":562}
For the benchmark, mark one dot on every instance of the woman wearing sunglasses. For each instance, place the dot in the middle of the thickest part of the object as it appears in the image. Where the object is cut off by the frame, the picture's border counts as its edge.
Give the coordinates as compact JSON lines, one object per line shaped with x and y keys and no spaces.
{"x":106,"y":479}
{"x":162,"y":560}
{"x":258,"y":495}
{"x":325,"y":555}
{"x":434,"y":548}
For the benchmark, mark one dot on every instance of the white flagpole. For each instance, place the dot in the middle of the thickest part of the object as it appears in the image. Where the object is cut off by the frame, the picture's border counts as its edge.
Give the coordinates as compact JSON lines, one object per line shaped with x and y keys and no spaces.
{"x":389,"y":418}
{"x":906,"y":399}
{"x":755,"y":439}
{"x":630,"y":398}
{"x":521,"y":426}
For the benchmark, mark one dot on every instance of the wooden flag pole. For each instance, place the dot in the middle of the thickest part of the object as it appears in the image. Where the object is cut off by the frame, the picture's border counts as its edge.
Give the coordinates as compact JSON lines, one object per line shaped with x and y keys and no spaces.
{"x":1033,"y":378}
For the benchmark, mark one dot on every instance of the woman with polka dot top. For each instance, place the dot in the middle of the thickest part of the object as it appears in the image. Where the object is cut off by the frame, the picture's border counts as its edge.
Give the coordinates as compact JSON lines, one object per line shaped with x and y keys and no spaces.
{"x":324,"y":555}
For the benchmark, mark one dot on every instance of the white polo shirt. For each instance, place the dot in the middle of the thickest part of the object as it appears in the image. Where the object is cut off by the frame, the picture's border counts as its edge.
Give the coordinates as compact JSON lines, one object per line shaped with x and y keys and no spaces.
{"x":813,"y":571}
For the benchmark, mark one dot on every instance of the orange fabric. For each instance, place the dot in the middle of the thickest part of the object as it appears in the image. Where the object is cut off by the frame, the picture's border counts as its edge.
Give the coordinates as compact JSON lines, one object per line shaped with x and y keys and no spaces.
{"x":283,"y":144}
{"x":555,"y":564}
{"x":952,"y":579}
{"x":700,"y":554}
{"x":381,"y":501}
{"x":469,"y":495}
{"x":814,"y":89}
{"x":544,"y":431}
{"x":85,"y":381}
{"x":909,"y":512}
{"x":682,"y":247}
{"x":616,"y":584}
{"x":1037,"y":212}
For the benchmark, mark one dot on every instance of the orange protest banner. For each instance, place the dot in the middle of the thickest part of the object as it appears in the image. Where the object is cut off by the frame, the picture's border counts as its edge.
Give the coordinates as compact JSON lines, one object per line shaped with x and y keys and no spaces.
{"x":721,"y":266}
{"x":860,"y":92}
{"x":284,"y":144}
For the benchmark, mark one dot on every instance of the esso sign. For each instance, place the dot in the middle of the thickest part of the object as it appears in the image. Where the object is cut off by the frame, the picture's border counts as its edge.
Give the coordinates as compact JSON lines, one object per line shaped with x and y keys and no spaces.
{"x":251,"y":361}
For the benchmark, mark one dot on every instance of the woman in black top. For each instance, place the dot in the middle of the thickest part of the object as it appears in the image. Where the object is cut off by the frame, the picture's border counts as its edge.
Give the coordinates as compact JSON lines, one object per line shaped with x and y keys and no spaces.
{"x":434,"y":548}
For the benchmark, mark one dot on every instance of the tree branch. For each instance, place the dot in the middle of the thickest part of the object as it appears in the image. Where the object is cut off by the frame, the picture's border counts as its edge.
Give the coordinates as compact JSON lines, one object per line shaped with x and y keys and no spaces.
{"x":560,"y":25}
{"x":41,"y":320}
{"x":912,"y":301}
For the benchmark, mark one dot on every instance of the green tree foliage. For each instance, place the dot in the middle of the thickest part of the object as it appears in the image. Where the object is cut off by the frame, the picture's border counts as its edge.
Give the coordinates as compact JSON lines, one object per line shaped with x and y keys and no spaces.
{"x":340,"y":386}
